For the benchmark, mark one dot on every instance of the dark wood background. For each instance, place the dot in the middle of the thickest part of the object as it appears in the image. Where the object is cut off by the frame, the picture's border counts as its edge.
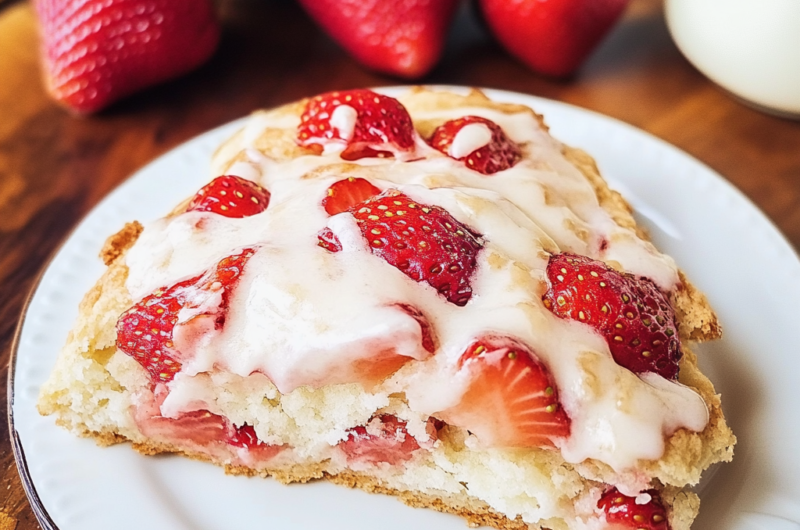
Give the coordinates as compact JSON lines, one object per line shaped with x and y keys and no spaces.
{"x":55,"y":167}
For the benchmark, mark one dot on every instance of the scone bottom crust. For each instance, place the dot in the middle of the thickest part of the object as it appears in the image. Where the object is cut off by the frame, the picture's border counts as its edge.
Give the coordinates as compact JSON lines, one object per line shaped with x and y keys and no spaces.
{"x":406,"y":187}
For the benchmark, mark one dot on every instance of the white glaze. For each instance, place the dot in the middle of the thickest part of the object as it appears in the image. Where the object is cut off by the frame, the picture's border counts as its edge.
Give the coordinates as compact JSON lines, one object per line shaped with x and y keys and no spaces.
{"x":299,"y":313}
{"x":469,"y":138}
{"x":343,"y":119}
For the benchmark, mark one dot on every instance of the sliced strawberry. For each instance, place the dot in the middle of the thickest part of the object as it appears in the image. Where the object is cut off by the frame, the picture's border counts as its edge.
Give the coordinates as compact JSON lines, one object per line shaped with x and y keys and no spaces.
{"x":433,"y":427}
{"x":328,"y":240}
{"x":384,"y":439}
{"x":97,"y":51}
{"x":245,"y":437}
{"x":230,"y":196}
{"x":366,"y":123}
{"x":497,"y":153}
{"x":511,"y":399}
{"x":145,"y":331}
{"x":200,"y":427}
{"x":627,"y":512}
{"x":424,"y":242}
{"x":632,"y":314}
{"x":347,"y":193}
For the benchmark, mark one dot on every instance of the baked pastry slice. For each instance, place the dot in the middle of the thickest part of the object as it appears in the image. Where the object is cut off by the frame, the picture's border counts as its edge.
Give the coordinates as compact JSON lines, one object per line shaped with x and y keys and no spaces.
{"x":426,"y":296}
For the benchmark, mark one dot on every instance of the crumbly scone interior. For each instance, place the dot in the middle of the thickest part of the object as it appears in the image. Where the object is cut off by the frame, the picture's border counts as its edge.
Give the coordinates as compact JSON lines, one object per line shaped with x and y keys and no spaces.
{"x":91,"y":391}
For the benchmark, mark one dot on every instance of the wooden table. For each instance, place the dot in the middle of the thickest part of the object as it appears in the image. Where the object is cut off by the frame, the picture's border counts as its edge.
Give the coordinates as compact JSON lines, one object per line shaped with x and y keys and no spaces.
{"x":55,"y":167}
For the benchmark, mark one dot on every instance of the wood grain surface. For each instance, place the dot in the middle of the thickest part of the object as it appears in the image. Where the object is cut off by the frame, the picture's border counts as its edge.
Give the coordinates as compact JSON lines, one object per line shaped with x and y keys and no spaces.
{"x":54,"y":167}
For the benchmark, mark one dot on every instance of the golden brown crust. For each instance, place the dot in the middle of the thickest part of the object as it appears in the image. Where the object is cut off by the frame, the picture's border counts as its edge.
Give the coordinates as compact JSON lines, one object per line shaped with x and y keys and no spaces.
{"x":275,"y":143}
{"x":474,"y":511}
{"x":117,"y":244}
{"x":477,"y":513}
{"x":696,"y":320}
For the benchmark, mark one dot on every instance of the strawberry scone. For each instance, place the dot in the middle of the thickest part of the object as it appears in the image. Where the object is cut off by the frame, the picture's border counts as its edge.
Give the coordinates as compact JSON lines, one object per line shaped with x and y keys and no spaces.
{"x":428,"y":297}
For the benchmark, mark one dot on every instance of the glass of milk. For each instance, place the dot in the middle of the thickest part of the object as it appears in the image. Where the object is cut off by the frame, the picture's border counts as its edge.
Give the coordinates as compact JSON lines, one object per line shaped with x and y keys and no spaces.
{"x":749,"y":47}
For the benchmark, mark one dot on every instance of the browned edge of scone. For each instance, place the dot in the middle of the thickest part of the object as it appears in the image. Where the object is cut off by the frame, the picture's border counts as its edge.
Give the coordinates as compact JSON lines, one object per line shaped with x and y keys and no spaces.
{"x":474,"y":511}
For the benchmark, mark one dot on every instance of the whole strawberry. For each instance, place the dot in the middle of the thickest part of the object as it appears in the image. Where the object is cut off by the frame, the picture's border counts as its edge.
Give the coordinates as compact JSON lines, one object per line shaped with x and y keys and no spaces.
{"x":398,"y":37}
{"x":98,"y":51}
{"x":632,"y":314}
{"x":552,"y":37}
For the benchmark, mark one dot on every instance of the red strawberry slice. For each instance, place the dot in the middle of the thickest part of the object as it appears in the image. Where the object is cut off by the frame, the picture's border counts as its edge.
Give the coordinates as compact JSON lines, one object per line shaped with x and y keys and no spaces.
{"x":145,"y":331}
{"x":203,"y":428}
{"x":625,"y":511}
{"x":230,"y":196}
{"x":632,"y":314}
{"x":511,"y":399}
{"x":200,"y":427}
{"x":425,"y":242}
{"x":347,"y":193}
{"x":328,"y":240}
{"x":245,"y":436}
{"x":399,"y":37}
{"x":98,"y":51}
{"x":498,"y":154}
{"x":369,"y":125}
{"x":385,"y":439}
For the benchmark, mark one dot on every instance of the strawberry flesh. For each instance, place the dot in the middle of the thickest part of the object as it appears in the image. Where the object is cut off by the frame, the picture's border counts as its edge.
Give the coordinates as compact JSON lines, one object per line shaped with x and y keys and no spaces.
{"x":499,"y":154}
{"x":202,"y":428}
{"x":245,"y":436}
{"x":230,"y":196}
{"x":631,"y":313}
{"x":624,"y":511}
{"x":385,"y":439}
{"x":98,"y":51}
{"x":344,"y":194}
{"x":382,"y":127}
{"x":145,"y":331}
{"x":510,"y":399}
{"x":328,"y":240}
{"x":424,"y":242}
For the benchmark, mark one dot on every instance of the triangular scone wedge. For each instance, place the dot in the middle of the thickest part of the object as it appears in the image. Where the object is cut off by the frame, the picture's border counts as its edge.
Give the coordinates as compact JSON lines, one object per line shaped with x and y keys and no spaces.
{"x":270,"y":424}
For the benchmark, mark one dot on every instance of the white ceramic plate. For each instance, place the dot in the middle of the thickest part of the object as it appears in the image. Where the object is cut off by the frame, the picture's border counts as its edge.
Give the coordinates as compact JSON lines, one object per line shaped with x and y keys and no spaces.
{"x":729,"y":248}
